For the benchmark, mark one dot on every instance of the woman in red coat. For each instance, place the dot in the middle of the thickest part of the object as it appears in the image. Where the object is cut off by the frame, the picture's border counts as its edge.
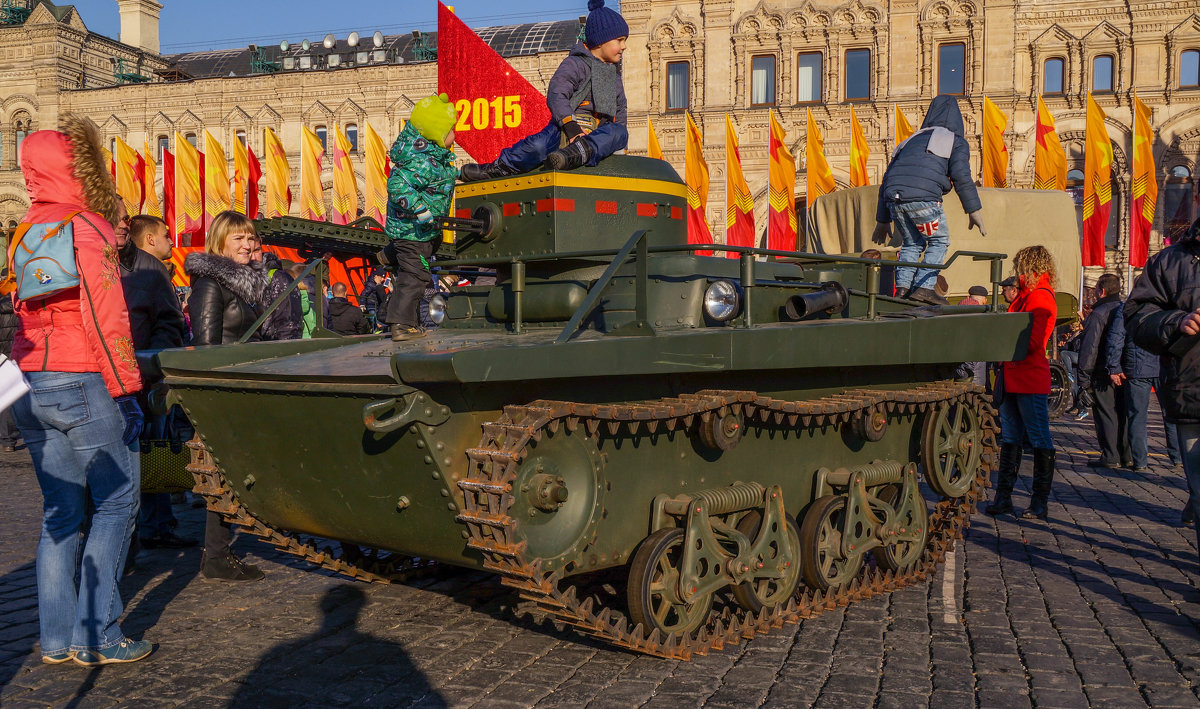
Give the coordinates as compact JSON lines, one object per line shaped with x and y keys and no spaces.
{"x":1024,"y":414}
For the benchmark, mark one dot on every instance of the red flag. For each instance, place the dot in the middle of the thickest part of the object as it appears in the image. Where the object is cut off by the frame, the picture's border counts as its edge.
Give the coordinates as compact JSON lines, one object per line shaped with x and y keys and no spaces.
{"x":496,"y":105}
{"x":255,"y":174}
{"x":168,"y":161}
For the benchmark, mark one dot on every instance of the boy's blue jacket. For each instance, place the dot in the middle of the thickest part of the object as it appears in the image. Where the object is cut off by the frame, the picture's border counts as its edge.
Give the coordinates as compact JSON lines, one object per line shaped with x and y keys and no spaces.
{"x":917,"y":175}
{"x":422,"y":177}
{"x":570,"y":75}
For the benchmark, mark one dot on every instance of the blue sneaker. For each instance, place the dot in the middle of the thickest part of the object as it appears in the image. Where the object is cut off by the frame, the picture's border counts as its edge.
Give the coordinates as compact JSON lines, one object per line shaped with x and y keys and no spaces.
{"x":125,"y":651}
{"x":57,"y":658}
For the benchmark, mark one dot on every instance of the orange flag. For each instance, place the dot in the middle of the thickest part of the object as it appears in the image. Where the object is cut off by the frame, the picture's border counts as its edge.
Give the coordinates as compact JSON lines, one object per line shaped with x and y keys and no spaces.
{"x":241,"y":176}
{"x":995,"y":154}
{"x":189,"y":202}
{"x":345,"y":186}
{"x":781,"y":182}
{"x":739,"y":203}
{"x":150,"y":205}
{"x":696,"y":176}
{"x":1049,"y":159}
{"x":1145,"y":185}
{"x":1097,"y":185}
{"x":820,"y":177}
{"x":655,"y":151}
{"x":859,"y":152}
{"x":312,"y":193}
{"x":374,"y":175}
{"x":128,"y":176}
{"x":216,"y":179}
{"x":279,"y":198}
{"x":903,"y":127}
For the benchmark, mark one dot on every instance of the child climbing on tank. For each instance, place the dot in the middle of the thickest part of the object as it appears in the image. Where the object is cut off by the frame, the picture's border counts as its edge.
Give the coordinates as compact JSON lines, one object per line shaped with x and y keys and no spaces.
{"x":587,"y":106}
{"x":420,"y":187}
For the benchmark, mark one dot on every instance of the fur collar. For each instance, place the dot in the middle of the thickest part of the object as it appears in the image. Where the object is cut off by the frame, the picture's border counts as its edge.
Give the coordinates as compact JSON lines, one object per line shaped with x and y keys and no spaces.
{"x":246,"y":282}
{"x":89,"y":165}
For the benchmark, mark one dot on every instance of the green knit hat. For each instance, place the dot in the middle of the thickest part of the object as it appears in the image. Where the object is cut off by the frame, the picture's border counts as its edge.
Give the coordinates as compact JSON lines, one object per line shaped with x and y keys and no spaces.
{"x":434,"y":117}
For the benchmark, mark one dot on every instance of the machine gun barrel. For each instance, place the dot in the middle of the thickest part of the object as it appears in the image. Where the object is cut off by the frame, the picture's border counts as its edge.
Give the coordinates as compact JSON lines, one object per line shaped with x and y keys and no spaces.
{"x":314,"y":238}
{"x":831,"y":298}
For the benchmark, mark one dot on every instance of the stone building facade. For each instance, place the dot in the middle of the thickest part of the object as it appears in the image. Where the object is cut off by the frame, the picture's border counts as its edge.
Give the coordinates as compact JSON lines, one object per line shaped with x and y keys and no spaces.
{"x":710,"y":57}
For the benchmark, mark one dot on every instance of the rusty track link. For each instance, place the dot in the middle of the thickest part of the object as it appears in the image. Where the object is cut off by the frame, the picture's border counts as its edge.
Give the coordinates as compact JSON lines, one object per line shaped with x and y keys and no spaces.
{"x":393,"y":568}
{"x":494,"y":466}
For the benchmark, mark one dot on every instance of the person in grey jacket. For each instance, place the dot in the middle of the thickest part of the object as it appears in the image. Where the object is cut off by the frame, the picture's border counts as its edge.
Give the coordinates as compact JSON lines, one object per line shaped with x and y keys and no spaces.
{"x":922,"y":170}
{"x":1136,"y":371}
{"x":587,"y":106}
{"x":1108,"y":407}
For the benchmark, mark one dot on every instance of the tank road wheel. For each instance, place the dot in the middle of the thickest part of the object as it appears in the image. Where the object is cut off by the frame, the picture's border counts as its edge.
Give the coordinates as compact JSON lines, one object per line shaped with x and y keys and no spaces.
{"x":951,"y":443}
{"x":894,"y":557}
{"x":756,"y":594}
{"x":653,"y":588}
{"x":823,"y":564}
{"x":870,"y":425}
{"x":721,"y":432}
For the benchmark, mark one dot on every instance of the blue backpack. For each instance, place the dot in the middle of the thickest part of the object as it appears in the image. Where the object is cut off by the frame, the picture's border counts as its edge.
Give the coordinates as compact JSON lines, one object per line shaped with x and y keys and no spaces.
{"x":41,"y":260}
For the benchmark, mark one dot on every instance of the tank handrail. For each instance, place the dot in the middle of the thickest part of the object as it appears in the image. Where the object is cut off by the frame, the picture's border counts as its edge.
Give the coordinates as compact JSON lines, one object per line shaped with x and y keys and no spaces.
{"x":589,"y":303}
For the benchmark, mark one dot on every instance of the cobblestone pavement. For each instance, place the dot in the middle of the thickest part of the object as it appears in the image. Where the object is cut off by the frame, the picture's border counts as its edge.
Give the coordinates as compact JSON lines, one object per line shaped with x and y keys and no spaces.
{"x":1094,"y":609}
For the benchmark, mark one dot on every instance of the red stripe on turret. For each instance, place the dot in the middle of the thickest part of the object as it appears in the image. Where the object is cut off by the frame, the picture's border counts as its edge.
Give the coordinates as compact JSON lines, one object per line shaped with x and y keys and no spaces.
{"x":511,"y":209}
{"x":677,"y":212}
{"x":556,"y":204}
{"x":647,"y":210}
{"x":605,"y":207}
{"x":463,"y":213}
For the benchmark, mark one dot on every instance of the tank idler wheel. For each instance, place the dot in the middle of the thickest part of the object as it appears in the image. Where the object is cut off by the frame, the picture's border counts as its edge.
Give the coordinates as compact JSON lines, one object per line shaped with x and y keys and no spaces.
{"x":756,"y":594}
{"x":653,"y":587}
{"x":951,"y":444}
{"x":871,"y":425}
{"x":821,"y":559}
{"x":893,"y":557}
{"x":721,"y":432}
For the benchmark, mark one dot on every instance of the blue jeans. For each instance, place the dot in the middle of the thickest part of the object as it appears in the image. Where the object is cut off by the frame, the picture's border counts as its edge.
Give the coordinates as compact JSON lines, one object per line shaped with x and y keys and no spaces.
{"x":529,"y":152}
{"x":919,"y":246}
{"x":1025,"y":417}
{"x":1137,"y":408}
{"x":73,"y":429}
{"x":1188,"y":436}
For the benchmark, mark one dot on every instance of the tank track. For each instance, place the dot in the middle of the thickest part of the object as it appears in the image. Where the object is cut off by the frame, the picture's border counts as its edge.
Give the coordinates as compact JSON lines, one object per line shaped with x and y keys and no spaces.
{"x":370,"y":566}
{"x":494,"y":466}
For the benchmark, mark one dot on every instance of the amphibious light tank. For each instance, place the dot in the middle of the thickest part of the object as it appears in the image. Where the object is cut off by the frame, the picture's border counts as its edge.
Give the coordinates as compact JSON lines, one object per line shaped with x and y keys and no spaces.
{"x":665,"y":450}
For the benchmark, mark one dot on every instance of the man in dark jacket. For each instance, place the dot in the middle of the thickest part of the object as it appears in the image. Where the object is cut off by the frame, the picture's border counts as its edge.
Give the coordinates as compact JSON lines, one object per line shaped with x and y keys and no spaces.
{"x":156,"y":322}
{"x":1108,"y":402}
{"x":1136,"y":371}
{"x":345,"y":318}
{"x":922,"y":170}
{"x":1163,"y":315}
{"x":374,"y":295}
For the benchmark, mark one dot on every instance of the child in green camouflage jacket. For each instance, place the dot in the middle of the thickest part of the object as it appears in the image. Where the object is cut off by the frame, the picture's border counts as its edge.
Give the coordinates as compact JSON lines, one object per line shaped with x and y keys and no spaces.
{"x":420,"y":190}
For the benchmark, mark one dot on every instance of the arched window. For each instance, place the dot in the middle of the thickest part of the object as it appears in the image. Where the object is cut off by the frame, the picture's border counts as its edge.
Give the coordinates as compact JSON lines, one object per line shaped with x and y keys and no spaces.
{"x":191,"y":138}
{"x":352,"y":136}
{"x":1178,"y":202}
{"x":22,"y":126}
{"x":1052,"y":76}
{"x":1075,"y":186}
{"x":1102,"y":73}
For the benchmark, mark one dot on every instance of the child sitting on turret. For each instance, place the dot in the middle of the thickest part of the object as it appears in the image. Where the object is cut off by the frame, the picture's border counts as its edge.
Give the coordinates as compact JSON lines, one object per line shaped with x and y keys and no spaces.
{"x":420,"y":187}
{"x":587,"y":106}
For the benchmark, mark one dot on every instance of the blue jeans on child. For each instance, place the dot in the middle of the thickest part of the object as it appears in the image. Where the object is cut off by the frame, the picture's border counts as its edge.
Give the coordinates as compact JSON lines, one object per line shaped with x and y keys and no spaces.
{"x":1025,"y":417}
{"x":73,"y":429}
{"x":531,"y":151}
{"x":910,"y":219}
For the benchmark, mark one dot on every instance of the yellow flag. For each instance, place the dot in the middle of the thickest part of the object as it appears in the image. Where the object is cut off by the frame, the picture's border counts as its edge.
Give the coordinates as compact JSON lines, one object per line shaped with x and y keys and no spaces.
{"x":739,"y":203}
{"x":1097,"y":185}
{"x":151,"y":204}
{"x":994,"y":157}
{"x":1145,"y":185}
{"x":189,"y":208}
{"x":129,"y":181}
{"x":1049,"y":159}
{"x":216,"y":179}
{"x":820,"y":177}
{"x":781,"y":182}
{"x":859,"y":152}
{"x":345,"y":186}
{"x":279,"y":201}
{"x":312,"y":193}
{"x":903,"y":127}
{"x":655,"y":151}
{"x":696,"y":176}
{"x":241,"y":175}
{"x":374,"y":175}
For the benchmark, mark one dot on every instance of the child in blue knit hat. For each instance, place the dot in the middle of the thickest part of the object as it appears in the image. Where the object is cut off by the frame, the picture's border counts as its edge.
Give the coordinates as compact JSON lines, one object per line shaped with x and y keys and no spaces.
{"x":587,"y":106}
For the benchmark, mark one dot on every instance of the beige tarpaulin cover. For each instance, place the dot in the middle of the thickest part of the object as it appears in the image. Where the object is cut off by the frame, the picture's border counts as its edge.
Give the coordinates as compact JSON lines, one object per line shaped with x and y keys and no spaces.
{"x":841,"y":222}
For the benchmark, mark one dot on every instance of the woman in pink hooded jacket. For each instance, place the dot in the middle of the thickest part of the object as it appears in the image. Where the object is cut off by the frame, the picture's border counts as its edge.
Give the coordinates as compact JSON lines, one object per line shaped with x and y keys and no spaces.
{"x":81,"y":419}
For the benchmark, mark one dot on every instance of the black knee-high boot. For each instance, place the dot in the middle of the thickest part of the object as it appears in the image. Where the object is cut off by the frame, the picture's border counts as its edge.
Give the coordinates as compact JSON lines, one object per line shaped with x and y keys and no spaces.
{"x":1006,"y":477}
{"x":1043,"y":477}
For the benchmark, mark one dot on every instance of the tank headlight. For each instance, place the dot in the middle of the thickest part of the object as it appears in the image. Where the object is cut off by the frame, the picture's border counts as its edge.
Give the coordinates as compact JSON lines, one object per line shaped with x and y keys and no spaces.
{"x":437,"y":309}
{"x":721,"y":301}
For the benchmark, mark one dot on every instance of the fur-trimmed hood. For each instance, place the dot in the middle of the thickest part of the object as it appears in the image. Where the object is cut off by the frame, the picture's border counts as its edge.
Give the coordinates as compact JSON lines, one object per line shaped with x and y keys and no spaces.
{"x":68,"y":167}
{"x":246,"y":282}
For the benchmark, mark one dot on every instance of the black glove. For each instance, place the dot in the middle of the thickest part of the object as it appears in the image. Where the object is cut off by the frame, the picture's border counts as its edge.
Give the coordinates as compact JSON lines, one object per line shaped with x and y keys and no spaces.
{"x":135,"y":421}
{"x":572,"y":130}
